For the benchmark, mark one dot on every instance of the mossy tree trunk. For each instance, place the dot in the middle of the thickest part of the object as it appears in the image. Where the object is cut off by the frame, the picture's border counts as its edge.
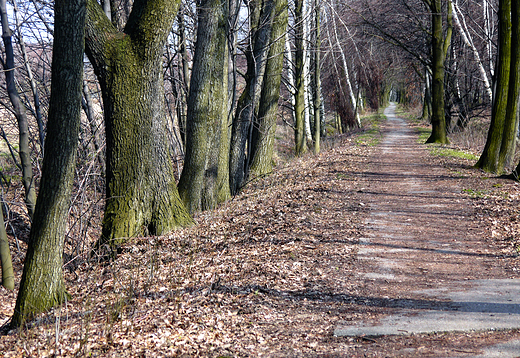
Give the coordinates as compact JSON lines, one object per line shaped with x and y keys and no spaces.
{"x":142,"y":196}
{"x":299,"y":106}
{"x":508,"y":145}
{"x":5,"y":256}
{"x":488,"y":160}
{"x":42,"y":284}
{"x":440,"y":45}
{"x":204,"y":181}
{"x":262,"y":146}
{"x":262,"y":15}
{"x":20,"y":112}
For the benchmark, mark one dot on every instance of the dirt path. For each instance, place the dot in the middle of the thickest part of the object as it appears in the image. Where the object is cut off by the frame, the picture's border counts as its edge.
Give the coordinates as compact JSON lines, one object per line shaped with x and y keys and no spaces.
{"x":422,"y":257}
{"x":419,"y":232}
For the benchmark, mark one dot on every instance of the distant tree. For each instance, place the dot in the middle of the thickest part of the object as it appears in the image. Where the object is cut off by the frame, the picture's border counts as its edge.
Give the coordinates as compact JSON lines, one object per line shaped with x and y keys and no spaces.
{"x":20,"y":112}
{"x":317,"y":79}
{"x":141,"y":193}
{"x":42,"y":284}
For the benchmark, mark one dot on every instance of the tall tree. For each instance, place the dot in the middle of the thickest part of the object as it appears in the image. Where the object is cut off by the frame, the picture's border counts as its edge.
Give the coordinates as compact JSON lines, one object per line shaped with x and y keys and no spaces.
{"x":489,"y":159}
{"x":42,"y":284}
{"x":204,"y":180}
{"x":317,"y":81}
{"x":262,"y":143}
{"x":440,"y":42}
{"x":299,"y":107}
{"x":142,"y":196}
{"x":261,"y":19}
{"x":508,"y":145}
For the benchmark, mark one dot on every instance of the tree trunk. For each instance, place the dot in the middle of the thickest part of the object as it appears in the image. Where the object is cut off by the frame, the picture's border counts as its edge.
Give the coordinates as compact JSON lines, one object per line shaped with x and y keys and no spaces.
{"x":440,"y":46}
{"x":299,"y":107}
{"x":202,"y":185}
{"x":142,"y":196}
{"x":5,"y":256}
{"x":42,"y":284}
{"x":20,"y":113}
{"x":307,"y":55}
{"x":262,"y":14}
{"x":185,"y":78}
{"x":488,"y":160}
{"x":317,"y":81}
{"x":263,"y":133}
{"x":508,"y":145}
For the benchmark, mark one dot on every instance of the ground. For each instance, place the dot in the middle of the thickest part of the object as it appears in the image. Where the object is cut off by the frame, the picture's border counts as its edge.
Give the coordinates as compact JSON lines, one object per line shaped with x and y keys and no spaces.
{"x":274,"y":271}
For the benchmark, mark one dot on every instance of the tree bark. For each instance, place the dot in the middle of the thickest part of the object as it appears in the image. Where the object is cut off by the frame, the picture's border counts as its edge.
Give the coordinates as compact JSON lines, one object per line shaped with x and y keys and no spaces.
{"x":42,"y":284}
{"x":204,"y":180}
{"x":317,"y":80}
{"x":263,"y":132}
{"x":142,"y":196}
{"x":488,"y":160}
{"x":440,"y":44}
{"x":508,"y":146}
{"x":299,"y":106}
{"x":5,"y":256}
{"x":262,"y":14}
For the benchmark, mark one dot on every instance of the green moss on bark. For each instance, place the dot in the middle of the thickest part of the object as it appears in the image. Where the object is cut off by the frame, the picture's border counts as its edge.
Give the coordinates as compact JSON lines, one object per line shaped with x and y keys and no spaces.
{"x":142,"y":197}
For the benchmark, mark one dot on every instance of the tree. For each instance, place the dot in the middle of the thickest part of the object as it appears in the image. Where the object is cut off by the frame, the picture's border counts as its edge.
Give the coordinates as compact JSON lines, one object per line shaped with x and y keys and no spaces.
{"x":5,"y":256}
{"x":204,"y":180}
{"x":262,"y":143}
{"x":255,"y":116}
{"x":317,"y":81}
{"x":20,"y":113}
{"x":141,"y":194}
{"x":299,"y":64}
{"x":502,"y":127}
{"x":508,"y":145}
{"x":42,"y":284}
{"x":261,"y":17}
{"x":440,"y":44}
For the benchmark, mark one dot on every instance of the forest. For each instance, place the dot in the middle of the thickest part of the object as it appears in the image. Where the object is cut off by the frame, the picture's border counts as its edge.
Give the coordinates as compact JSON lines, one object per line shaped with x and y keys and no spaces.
{"x":169,"y":128}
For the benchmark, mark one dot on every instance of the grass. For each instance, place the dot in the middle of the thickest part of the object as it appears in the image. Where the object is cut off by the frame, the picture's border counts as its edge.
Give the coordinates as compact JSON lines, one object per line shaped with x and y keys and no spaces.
{"x":450,"y":152}
{"x":424,"y":133}
{"x":475,"y":194}
{"x":371,"y":135}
